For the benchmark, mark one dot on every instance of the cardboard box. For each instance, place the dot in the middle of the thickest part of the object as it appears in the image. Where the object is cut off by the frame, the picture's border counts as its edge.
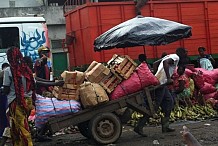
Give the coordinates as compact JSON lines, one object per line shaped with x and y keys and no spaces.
{"x":97,"y":73}
{"x":73,"y":77}
{"x":66,"y":93}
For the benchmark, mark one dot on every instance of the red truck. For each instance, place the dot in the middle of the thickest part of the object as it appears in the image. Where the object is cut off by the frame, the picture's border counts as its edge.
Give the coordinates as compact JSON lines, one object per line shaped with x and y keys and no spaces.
{"x":87,"y":20}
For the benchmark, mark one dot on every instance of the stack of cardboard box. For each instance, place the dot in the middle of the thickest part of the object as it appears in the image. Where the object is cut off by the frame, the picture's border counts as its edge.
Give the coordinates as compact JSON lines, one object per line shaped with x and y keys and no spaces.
{"x":69,"y":90}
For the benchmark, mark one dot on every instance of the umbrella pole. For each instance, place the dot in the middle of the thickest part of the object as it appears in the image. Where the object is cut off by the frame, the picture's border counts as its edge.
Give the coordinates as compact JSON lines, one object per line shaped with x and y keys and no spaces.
{"x":144,"y":49}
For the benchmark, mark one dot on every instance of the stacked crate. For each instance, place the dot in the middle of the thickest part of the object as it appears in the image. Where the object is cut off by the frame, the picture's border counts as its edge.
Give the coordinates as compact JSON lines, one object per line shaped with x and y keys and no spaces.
{"x":69,"y":90}
{"x":110,"y":82}
{"x":98,"y":73}
{"x":124,"y":66}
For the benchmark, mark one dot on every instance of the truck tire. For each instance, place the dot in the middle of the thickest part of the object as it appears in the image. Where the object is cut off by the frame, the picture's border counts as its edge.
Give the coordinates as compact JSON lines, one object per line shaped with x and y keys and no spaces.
{"x":105,"y":128}
{"x":84,"y":129}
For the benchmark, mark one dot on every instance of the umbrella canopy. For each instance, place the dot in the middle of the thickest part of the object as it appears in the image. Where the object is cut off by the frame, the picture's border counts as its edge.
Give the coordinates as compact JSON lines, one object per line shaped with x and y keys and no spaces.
{"x":141,"y":31}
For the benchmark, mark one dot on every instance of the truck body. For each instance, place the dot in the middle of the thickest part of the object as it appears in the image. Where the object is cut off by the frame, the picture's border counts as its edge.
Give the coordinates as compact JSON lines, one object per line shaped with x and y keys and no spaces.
{"x":27,"y":33}
{"x":90,"y":19}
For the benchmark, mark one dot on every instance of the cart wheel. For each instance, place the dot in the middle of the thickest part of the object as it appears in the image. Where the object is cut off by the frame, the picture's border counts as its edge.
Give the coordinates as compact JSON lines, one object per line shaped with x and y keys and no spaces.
{"x":105,"y":128}
{"x":84,"y":129}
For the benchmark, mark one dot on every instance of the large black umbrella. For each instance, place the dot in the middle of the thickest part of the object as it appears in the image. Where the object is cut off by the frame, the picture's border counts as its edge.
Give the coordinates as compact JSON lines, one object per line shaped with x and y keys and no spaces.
{"x":141,"y":31}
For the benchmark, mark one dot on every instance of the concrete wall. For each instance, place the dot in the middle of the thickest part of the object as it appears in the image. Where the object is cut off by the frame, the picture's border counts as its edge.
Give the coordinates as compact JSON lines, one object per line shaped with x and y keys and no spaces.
{"x":22,"y":3}
{"x":56,"y":32}
{"x":53,"y":15}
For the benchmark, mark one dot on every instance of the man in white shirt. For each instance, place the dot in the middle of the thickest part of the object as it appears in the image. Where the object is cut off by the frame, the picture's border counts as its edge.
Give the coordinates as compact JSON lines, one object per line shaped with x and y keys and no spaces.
{"x":163,"y":69}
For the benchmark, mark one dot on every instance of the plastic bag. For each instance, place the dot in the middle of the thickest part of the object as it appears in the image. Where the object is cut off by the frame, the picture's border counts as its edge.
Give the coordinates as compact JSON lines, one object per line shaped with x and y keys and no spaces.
{"x":49,"y":107}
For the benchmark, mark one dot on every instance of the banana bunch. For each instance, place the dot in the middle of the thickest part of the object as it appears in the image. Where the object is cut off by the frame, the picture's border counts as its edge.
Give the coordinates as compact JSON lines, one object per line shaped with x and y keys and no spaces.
{"x":136,"y":115}
{"x":194,"y":112}
{"x":132,"y":122}
{"x":134,"y":118}
{"x":177,"y":113}
{"x":190,"y":114}
{"x":209,"y":110}
{"x":154,"y":122}
{"x":172,"y":117}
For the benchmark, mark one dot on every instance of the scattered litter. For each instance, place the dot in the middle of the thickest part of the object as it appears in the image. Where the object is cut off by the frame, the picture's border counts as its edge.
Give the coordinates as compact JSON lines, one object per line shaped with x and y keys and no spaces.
{"x":207,"y":124}
{"x":156,"y":142}
{"x":111,"y":144}
{"x":201,"y":140}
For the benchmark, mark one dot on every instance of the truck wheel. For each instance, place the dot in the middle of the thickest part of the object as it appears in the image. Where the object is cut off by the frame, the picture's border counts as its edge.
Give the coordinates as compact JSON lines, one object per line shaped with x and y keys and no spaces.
{"x":84,"y":129}
{"x":105,"y":128}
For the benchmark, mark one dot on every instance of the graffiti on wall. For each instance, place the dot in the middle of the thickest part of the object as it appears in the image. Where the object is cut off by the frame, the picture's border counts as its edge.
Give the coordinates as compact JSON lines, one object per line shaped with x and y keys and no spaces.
{"x":31,"y":43}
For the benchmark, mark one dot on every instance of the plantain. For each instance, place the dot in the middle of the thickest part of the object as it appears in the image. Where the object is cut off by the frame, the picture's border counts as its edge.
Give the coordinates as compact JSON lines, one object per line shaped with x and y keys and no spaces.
{"x":179,"y":113}
{"x":191,"y":112}
{"x":172,"y":116}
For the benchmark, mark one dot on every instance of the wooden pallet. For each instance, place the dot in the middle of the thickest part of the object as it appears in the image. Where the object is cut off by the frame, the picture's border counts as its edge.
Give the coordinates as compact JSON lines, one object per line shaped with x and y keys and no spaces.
{"x":111,"y":81}
{"x":125,"y":68}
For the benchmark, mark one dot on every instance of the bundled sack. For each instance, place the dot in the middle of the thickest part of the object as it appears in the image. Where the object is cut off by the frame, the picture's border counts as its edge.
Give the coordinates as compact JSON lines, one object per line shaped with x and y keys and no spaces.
{"x":73,"y":77}
{"x":212,"y":102}
{"x":213,"y":95}
{"x":146,"y":76}
{"x":188,"y":72}
{"x":142,"y":77}
{"x":208,"y":79}
{"x":200,"y":83}
{"x":49,"y":107}
{"x":96,"y":72}
{"x":207,"y":75}
{"x":207,"y":88}
{"x":198,"y":79}
{"x":92,"y":94}
{"x":126,"y":87}
{"x":211,"y":73}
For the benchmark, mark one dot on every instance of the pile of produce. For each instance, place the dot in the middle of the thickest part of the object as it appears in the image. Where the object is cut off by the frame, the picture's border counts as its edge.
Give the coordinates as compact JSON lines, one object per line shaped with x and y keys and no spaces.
{"x":200,"y":105}
{"x":194,"y":113}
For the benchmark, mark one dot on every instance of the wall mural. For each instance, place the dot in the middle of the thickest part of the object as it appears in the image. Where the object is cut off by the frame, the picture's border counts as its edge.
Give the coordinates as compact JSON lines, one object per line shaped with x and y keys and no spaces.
{"x":31,"y":43}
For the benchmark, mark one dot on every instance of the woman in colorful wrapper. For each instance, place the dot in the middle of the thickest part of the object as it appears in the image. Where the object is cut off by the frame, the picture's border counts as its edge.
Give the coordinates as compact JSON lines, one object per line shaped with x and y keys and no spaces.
{"x":19,"y":86}
{"x":182,"y":86}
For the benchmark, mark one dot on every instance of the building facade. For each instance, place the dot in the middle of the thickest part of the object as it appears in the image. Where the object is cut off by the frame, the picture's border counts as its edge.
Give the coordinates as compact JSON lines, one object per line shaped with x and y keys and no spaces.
{"x":52,"y":11}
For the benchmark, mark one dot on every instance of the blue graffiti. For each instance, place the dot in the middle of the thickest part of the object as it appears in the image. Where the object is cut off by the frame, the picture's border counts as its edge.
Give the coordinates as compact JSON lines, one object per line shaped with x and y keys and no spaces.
{"x":31,"y":44}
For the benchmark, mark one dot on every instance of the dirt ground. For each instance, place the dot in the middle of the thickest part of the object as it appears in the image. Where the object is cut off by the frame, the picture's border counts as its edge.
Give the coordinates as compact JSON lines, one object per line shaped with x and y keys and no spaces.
{"x":205,"y":131}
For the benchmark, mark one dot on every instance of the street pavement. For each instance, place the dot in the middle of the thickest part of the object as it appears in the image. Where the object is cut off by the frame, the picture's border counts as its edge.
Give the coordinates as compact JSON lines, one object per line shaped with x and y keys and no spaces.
{"x":205,"y":131}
